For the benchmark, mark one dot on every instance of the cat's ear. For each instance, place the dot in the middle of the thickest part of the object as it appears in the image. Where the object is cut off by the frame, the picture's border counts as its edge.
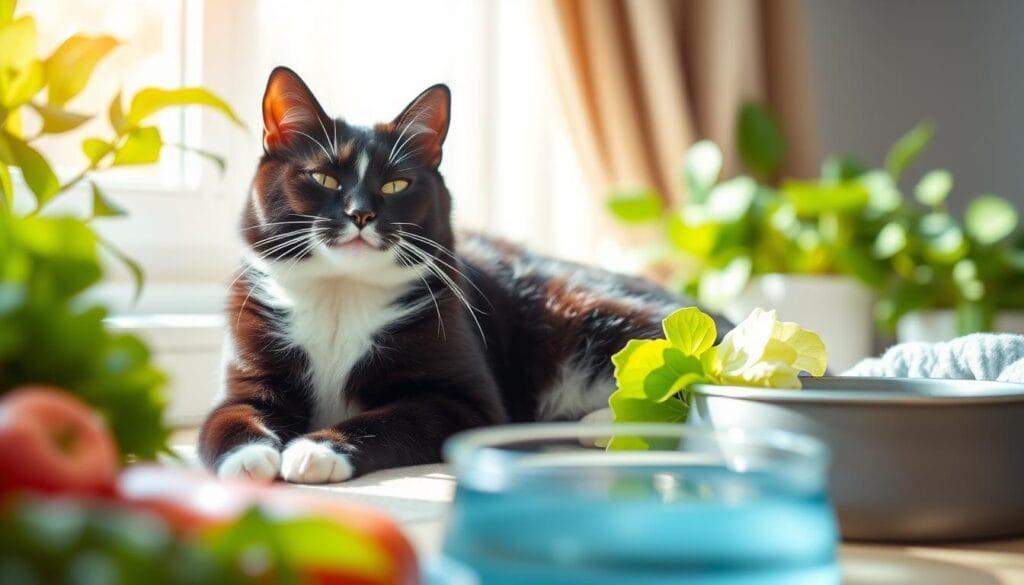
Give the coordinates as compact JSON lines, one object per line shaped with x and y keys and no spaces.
{"x":425,"y":120}
{"x":287,"y":105}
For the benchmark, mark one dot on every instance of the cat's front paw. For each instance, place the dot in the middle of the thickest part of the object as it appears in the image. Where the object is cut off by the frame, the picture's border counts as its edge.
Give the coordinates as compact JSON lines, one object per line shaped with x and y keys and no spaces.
{"x":256,"y":461}
{"x":308,"y":461}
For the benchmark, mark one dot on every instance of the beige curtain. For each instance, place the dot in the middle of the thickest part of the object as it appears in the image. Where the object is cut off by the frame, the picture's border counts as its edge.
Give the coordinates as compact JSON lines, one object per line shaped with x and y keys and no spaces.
{"x":641,"y":80}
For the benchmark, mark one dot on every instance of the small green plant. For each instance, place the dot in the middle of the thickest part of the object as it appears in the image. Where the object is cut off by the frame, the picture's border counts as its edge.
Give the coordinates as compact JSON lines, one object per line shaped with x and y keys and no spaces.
{"x":938,"y":261}
{"x":728,"y":231}
{"x":852,"y":220}
{"x":48,"y":335}
{"x":653,"y":376}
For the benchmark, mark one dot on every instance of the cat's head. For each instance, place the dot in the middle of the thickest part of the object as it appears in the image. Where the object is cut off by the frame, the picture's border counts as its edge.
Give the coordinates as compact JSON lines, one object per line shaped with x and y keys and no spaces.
{"x":334,"y":198}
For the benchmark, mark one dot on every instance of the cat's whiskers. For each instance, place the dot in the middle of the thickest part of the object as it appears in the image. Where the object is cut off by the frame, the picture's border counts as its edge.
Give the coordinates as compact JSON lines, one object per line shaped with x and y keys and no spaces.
{"x":273,"y":223}
{"x":301,"y":233}
{"x":396,"y":149}
{"x":297,"y":242}
{"x":334,"y":147}
{"x":406,"y":261}
{"x":311,"y":139}
{"x":445,"y":279}
{"x":450,"y":253}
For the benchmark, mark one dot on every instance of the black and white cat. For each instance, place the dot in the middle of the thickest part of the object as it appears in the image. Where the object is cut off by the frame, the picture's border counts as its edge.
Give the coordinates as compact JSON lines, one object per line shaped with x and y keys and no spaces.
{"x":364,"y":332}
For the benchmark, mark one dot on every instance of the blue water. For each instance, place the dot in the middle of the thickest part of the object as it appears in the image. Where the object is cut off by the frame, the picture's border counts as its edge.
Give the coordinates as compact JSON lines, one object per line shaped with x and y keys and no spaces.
{"x":704,"y":527}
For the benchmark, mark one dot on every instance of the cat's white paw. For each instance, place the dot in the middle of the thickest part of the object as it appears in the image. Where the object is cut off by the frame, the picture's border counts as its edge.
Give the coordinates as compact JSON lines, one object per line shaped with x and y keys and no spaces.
{"x":306,"y":461}
{"x":257,"y":461}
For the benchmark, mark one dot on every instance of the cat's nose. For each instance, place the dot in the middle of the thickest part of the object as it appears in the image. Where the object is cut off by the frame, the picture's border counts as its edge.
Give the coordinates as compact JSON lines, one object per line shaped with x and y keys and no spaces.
{"x":362,"y":217}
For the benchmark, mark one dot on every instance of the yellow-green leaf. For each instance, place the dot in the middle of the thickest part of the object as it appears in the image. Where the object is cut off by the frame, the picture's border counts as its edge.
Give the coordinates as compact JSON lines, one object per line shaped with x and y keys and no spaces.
{"x":95,"y":149}
{"x":115,"y":112}
{"x":138,"y":276}
{"x":6,"y":11}
{"x":642,"y":357}
{"x":18,"y":39}
{"x":151,"y":100}
{"x":141,"y":148}
{"x":908,"y":148}
{"x":6,"y":185}
{"x":39,"y":177}
{"x":102,"y":206}
{"x":678,"y":373}
{"x":57,"y":120}
{"x":69,"y":68}
{"x":690,"y":330}
{"x":22,"y":85}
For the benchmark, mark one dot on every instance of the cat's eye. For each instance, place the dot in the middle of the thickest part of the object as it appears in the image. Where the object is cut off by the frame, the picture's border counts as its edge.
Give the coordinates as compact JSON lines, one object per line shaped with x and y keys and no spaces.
{"x":325,"y":180}
{"x":392,"y":187}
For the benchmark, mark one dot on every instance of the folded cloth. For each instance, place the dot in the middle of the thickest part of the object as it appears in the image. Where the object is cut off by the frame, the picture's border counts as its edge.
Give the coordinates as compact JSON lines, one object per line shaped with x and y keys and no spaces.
{"x":979,"y":356}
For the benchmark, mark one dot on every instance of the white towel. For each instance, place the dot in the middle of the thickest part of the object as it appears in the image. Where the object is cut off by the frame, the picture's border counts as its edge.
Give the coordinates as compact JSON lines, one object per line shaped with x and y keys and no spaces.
{"x":980,"y":356}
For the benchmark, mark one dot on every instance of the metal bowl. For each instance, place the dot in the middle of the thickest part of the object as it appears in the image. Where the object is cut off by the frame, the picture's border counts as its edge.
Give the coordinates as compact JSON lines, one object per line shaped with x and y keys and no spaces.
{"x":913,"y":459}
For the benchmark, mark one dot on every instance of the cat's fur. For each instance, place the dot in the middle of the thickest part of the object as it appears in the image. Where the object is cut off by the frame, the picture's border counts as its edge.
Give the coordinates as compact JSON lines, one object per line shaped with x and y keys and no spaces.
{"x":355,"y":348}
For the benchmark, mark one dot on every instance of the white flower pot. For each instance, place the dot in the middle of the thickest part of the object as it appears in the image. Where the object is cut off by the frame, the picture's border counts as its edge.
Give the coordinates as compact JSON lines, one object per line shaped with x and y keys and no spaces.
{"x":837,"y":308}
{"x":940,"y":325}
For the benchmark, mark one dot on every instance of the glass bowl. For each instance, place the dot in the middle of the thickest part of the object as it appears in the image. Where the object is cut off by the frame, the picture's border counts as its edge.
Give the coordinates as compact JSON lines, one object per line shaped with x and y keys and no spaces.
{"x":548,"y":503}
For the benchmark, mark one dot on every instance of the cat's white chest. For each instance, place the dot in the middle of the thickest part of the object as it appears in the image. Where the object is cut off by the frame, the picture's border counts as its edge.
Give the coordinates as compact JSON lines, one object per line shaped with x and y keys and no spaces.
{"x":336,"y":325}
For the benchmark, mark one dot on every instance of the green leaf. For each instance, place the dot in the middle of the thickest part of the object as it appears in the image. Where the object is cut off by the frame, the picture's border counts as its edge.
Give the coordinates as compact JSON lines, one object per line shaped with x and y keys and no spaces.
{"x":759,"y":136}
{"x":141,"y":148}
{"x":115,"y":112}
{"x":811,"y":198}
{"x":701,"y":169}
{"x":934,"y":187}
{"x":730,"y":201}
{"x":151,"y":100}
{"x":883,"y":194}
{"x":102,"y":206}
{"x":908,"y":148}
{"x":636,"y":205}
{"x":71,"y":65}
{"x":635,"y":361}
{"x":6,"y":185}
{"x":628,"y":409}
{"x":944,"y":239}
{"x":690,"y":330}
{"x":891,"y":240}
{"x":989,"y":219}
{"x":838,"y":168}
{"x":95,"y":149}
{"x":718,"y":287}
{"x":57,"y":120}
{"x":138,"y":276}
{"x":678,"y":372}
{"x":39,"y":177}
{"x":697,"y":237}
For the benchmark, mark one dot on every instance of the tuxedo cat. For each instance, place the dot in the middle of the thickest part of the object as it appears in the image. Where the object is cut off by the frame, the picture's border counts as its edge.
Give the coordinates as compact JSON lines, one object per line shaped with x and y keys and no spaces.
{"x":364,"y":332}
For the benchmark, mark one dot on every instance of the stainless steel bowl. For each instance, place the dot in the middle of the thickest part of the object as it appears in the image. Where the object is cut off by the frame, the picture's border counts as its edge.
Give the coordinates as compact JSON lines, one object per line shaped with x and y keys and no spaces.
{"x":913,"y":459}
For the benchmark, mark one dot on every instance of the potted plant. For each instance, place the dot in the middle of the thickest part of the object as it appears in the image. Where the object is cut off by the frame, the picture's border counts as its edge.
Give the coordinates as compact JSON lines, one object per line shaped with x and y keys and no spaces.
{"x":49,"y":334}
{"x":802,"y":247}
{"x":949,"y":276}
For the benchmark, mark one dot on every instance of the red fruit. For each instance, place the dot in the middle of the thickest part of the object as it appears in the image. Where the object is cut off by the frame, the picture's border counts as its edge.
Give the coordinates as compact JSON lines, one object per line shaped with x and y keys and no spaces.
{"x":53,"y":442}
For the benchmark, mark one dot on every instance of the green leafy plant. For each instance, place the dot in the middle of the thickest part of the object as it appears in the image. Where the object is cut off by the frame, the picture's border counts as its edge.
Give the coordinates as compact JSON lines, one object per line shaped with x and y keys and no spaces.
{"x":852,"y":220}
{"x":48,"y":335}
{"x":653,"y":375}
{"x":730,"y":230}
{"x":938,"y":261}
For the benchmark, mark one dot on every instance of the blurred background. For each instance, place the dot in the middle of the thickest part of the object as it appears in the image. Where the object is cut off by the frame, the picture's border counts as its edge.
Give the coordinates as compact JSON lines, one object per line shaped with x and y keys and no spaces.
{"x":573,"y":129}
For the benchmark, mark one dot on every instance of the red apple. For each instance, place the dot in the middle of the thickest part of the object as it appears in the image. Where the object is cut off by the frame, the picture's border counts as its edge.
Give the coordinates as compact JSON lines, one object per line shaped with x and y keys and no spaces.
{"x":53,"y":442}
